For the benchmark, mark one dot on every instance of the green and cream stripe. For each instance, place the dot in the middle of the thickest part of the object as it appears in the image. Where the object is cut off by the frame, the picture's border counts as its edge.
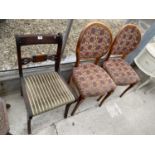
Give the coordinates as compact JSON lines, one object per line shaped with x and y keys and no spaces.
{"x":47,"y":91}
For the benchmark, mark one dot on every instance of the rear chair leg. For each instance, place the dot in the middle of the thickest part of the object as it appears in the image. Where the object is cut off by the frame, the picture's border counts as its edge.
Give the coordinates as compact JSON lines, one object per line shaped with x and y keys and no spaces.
{"x":70,"y":79}
{"x":21,"y":91}
{"x":99,"y":98}
{"x":29,"y":125}
{"x":66,"y":110}
{"x":127,"y":89}
{"x":77,"y":105}
{"x":108,"y":94}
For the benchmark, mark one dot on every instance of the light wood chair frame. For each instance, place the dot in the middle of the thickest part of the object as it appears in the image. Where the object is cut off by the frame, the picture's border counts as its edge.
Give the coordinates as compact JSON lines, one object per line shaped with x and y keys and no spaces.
{"x":96,"y":59}
{"x":124,"y":55}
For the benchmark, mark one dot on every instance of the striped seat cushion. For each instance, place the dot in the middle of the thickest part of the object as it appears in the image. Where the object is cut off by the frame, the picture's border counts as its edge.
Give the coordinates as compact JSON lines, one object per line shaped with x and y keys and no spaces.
{"x":46,"y":91}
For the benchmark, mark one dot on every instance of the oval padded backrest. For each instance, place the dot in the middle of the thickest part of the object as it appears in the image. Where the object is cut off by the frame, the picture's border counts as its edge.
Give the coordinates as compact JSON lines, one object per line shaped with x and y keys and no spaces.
{"x":95,"y":41}
{"x":126,"y":40}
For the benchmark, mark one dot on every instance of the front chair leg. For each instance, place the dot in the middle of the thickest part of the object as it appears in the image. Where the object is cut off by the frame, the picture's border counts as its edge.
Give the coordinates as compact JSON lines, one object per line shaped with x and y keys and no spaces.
{"x":130,"y":86}
{"x":108,"y":94}
{"x":29,"y":125}
{"x":77,"y":105}
{"x":99,"y":98}
{"x":66,"y":110}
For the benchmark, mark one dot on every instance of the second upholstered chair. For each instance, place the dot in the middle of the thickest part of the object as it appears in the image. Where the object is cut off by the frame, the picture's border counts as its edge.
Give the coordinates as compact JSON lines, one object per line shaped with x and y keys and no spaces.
{"x":125,"y":42}
{"x":89,"y":78}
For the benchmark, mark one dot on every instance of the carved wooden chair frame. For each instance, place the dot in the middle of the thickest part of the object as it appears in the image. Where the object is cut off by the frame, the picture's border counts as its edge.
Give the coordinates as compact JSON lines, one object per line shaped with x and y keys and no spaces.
{"x":23,"y":40}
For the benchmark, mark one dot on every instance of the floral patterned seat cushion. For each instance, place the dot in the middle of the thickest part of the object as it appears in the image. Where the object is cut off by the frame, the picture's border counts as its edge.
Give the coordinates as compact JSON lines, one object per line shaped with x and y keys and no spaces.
{"x":92,"y":80}
{"x":121,"y":72}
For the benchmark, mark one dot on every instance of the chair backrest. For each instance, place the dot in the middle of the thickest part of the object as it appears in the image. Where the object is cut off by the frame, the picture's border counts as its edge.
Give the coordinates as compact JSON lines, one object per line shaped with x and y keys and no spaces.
{"x":125,"y":41}
{"x":94,"y":42}
{"x":24,"y":40}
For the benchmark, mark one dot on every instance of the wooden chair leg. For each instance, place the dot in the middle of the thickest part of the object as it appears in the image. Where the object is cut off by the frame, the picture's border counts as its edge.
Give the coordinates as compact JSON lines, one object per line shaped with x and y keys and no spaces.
{"x":133,"y":64}
{"x":127,"y":89}
{"x":99,"y":98}
{"x":21,"y":92}
{"x":77,"y":105}
{"x":66,"y":110}
{"x":108,"y":94}
{"x":8,"y":106}
{"x":29,"y":125}
{"x":69,"y":80}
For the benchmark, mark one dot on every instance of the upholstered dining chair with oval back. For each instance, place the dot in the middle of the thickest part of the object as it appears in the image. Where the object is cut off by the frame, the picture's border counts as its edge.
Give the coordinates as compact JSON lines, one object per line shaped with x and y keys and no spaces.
{"x":89,"y":78}
{"x":125,"y":42}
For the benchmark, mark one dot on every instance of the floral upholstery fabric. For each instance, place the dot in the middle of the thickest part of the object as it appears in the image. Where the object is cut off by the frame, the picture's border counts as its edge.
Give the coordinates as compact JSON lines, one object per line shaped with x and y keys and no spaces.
{"x":95,"y":41}
{"x":126,"y":40}
{"x":4,"y":125}
{"x":121,"y":72}
{"x":92,"y":80}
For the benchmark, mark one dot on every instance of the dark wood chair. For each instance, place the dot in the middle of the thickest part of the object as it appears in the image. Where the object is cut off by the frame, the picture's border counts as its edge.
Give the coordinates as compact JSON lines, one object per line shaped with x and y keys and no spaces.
{"x":89,"y":78}
{"x":4,"y":123}
{"x":125,"y":42}
{"x":43,"y":91}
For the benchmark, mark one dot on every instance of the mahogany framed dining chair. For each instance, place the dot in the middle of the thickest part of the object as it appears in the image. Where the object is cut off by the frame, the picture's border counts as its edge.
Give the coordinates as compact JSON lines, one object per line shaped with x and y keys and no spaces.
{"x":43,"y":91}
{"x":125,"y":42}
{"x":89,"y":78}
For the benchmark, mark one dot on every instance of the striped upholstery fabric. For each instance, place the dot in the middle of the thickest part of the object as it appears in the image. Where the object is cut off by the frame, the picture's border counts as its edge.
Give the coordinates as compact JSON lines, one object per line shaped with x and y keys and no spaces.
{"x":46,"y":91}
